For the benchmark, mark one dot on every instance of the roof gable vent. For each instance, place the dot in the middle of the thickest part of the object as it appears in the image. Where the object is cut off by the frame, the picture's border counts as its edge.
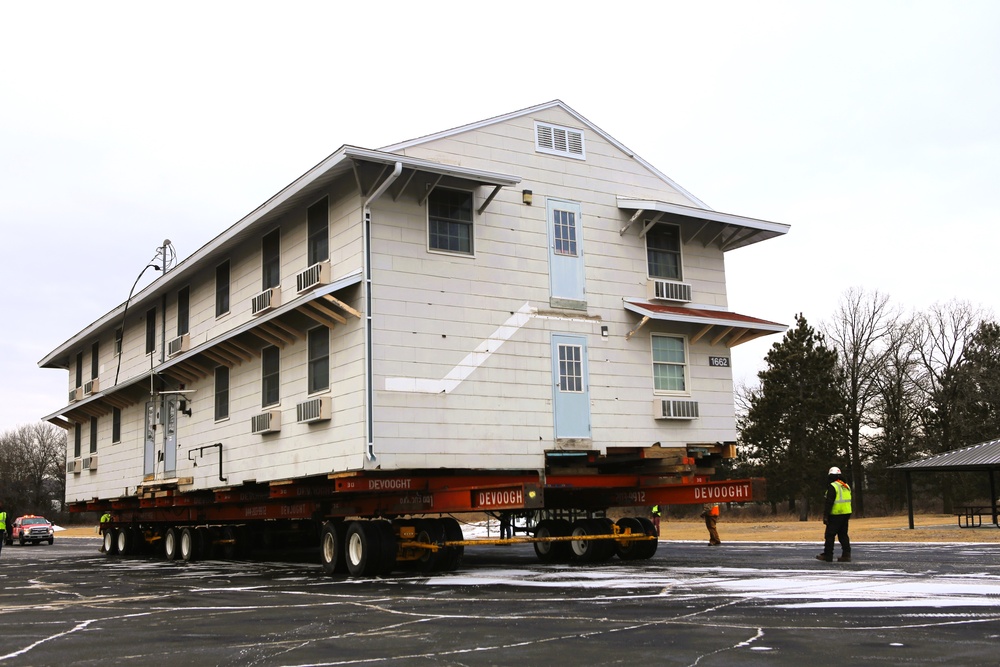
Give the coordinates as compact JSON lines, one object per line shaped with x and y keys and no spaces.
{"x":558,"y":140}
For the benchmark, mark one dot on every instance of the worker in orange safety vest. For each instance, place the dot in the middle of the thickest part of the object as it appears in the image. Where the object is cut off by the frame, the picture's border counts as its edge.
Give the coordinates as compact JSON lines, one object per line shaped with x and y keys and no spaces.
{"x":711,"y":516}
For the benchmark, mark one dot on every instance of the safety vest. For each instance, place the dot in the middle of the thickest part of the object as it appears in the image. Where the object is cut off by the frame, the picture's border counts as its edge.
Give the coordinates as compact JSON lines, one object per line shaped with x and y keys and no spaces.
{"x":3,"y":521}
{"x":655,"y":511}
{"x":842,"y":505}
{"x":105,"y":517}
{"x":713,"y":510}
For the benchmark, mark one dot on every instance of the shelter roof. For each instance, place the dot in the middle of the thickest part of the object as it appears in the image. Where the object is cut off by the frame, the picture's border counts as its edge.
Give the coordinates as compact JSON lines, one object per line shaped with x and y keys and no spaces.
{"x":984,"y":456}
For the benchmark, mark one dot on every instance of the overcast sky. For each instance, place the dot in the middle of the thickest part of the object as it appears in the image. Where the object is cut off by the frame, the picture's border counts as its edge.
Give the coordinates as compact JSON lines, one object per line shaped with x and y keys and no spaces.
{"x":872,"y":128}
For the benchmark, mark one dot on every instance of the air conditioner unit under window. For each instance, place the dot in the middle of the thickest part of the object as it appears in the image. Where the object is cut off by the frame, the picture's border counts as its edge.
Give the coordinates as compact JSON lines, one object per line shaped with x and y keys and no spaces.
{"x":266,"y":422}
{"x":667,"y":290}
{"x":178,"y":345}
{"x":73,"y":466}
{"x":91,"y":387}
{"x":75,"y":394}
{"x":90,"y":462}
{"x":265,"y":301}
{"x":313,"y":410}
{"x":668,"y":408}
{"x":315,"y":275}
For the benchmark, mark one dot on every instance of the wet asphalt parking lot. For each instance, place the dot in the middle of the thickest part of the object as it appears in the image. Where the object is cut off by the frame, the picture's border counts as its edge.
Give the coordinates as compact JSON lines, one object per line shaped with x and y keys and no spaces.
{"x":739,"y":604}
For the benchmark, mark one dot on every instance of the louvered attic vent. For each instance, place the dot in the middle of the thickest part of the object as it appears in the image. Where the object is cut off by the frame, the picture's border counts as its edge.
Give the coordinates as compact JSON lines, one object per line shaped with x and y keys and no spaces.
{"x":559,"y":140}
{"x":668,"y":408}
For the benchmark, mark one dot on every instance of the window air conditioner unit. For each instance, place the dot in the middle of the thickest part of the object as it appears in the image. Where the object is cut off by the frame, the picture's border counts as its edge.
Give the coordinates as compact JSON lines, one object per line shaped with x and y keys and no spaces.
{"x":178,"y":345}
{"x":667,"y":290}
{"x":316,"y":275}
{"x":90,"y":463}
{"x":266,"y":422}
{"x":265,"y":301}
{"x":668,"y":408}
{"x":73,"y":466}
{"x":75,"y":394}
{"x":313,"y":410}
{"x":91,"y":387}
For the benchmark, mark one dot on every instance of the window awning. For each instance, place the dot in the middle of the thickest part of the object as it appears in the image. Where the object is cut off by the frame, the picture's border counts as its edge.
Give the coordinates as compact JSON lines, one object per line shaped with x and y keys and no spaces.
{"x":698,"y":225}
{"x":719,"y":326}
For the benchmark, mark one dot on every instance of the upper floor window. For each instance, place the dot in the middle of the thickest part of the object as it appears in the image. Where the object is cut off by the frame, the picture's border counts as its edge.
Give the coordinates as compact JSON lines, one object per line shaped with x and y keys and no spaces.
{"x":221,"y":392}
{"x":558,"y":140}
{"x":318,"y":244}
{"x":93,"y":434}
{"x":79,"y":369}
{"x":150,"y":330}
{"x":183,"y":310}
{"x":669,"y":363}
{"x":271,"y":260}
{"x":77,"y":440}
{"x":269,"y":375}
{"x":116,"y":424}
{"x":319,"y":359}
{"x":449,"y":226}
{"x":222,"y":289}
{"x":663,"y":252}
{"x":95,"y":359}
{"x":118,"y":341}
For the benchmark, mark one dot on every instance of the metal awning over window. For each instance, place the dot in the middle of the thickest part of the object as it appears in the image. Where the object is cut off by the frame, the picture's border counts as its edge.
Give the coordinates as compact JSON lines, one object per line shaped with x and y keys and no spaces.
{"x":715,"y":326}
{"x":698,"y":225}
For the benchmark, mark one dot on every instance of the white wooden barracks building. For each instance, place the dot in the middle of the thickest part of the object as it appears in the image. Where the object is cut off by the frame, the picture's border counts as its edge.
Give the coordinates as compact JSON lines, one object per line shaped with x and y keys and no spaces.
{"x":492,"y":297}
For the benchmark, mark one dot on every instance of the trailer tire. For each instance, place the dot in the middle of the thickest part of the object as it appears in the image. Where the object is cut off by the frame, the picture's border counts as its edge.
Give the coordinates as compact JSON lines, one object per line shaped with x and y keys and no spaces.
{"x":648,"y":548}
{"x":110,"y":541}
{"x":187,"y":544}
{"x":430,"y":531}
{"x":552,"y":552}
{"x":591,"y":551}
{"x":124,"y":541}
{"x":628,"y":549}
{"x":332,"y":549}
{"x":170,"y":544}
{"x":453,"y":555}
{"x":362,"y":548}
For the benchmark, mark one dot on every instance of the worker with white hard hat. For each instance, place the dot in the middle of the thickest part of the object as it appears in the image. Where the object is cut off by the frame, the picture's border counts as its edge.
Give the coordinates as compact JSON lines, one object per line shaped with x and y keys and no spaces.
{"x":836,"y":517}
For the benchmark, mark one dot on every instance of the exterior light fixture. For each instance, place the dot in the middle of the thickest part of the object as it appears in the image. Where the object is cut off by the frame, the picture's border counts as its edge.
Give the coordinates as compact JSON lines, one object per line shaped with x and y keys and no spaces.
{"x":526,"y":197}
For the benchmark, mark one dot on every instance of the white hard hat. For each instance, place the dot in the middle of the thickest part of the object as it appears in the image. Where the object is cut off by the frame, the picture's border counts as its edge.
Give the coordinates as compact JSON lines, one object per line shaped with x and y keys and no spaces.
{"x":834,"y":471}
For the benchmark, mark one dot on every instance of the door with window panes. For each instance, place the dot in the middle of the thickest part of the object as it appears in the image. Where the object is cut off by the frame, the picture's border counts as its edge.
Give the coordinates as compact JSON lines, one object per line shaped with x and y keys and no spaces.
{"x":571,"y":387}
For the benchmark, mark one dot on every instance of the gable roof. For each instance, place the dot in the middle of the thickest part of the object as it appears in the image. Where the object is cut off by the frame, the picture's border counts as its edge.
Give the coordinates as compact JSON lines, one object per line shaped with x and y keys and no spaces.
{"x":537,"y":109}
{"x":984,"y":456}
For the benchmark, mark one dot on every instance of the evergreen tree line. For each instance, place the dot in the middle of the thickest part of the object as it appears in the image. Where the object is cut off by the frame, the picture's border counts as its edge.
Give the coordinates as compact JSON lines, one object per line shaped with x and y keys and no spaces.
{"x":872,"y":388}
{"x":33,"y":470}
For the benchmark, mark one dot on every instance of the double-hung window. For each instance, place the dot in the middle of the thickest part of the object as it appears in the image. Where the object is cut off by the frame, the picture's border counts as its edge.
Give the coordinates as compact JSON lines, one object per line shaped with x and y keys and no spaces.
{"x":663,"y":252}
{"x":150,"y":330}
{"x":318,"y":243}
{"x":222,"y":289}
{"x":319,"y":359}
{"x":271,"y":260}
{"x":269,"y":375}
{"x":221,"y":393}
{"x":93,"y":435}
{"x":669,"y":364}
{"x":449,"y":221}
{"x":183,"y":310}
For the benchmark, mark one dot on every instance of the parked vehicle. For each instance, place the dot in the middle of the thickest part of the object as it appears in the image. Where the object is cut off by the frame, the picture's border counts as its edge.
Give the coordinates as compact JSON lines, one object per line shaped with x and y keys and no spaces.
{"x":31,"y":529}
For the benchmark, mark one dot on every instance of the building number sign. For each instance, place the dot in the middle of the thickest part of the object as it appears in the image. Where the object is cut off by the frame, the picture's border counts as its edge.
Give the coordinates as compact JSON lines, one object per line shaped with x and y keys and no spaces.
{"x":722,"y":362}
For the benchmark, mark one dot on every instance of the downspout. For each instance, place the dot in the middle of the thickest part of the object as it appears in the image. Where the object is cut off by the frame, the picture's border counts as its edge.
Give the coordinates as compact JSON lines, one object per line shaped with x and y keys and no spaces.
{"x":367,"y":282}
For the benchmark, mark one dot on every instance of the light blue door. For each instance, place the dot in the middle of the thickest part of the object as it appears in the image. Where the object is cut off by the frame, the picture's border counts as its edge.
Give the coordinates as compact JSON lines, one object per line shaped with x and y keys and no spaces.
{"x":571,"y":387}
{"x":566,"y":268}
{"x":169,"y":436}
{"x":149,"y":445}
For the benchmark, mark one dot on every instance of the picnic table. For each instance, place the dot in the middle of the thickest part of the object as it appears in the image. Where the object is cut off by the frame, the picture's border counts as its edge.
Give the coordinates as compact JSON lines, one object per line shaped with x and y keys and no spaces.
{"x":971,"y":516}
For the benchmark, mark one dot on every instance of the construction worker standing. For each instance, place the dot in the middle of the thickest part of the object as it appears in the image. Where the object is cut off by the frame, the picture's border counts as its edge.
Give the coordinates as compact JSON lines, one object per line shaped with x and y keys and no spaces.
{"x":836,"y":516}
{"x":711,"y":516}
{"x":3,"y":526}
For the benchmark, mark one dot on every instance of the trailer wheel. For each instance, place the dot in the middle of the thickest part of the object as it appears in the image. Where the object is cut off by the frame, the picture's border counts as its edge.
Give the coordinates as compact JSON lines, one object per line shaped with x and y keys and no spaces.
{"x":332,"y":547}
{"x":170,"y":544}
{"x":453,"y":555}
{"x":187,"y":544}
{"x":628,"y":549}
{"x":552,"y":552}
{"x":110,"y":541}
{"x":591,"y":551}
{"x":124,"y":541}
{"x":648,"y":549}
{"x":430,"y":531}
{"x":362,"y":548}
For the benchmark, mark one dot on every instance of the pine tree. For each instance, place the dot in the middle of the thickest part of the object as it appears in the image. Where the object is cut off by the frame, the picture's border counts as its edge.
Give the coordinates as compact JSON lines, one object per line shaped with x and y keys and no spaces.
{"x":794,"y":429}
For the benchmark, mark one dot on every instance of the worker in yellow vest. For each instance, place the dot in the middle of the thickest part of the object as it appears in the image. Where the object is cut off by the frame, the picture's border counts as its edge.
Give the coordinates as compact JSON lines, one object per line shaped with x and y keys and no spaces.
{"x":3,"y":526}
{"x":836,"y":516}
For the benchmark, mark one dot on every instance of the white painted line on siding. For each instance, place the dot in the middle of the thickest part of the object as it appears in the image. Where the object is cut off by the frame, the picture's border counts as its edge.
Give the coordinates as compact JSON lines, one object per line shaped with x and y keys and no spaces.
{"x":472,"y":361}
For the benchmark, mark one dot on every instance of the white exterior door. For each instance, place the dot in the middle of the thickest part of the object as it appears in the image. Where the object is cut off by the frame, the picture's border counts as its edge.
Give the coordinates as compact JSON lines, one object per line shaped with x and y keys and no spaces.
{"x":571,"y":387}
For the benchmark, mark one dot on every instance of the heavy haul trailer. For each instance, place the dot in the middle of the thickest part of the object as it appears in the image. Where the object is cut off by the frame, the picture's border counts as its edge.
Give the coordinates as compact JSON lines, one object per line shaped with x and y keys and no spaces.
{"x":367,"y":523}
